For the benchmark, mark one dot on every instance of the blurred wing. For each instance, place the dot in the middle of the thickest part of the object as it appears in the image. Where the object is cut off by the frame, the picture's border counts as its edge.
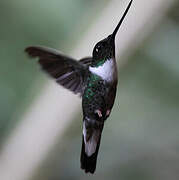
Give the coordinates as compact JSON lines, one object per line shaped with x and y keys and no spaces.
{"x":86,"y":61}
{"x":68,"y":72}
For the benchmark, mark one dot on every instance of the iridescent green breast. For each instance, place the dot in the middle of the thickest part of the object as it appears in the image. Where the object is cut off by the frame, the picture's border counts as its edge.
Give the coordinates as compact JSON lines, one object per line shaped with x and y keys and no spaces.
{"x":100,"y":63}
{"x":91,"y":86}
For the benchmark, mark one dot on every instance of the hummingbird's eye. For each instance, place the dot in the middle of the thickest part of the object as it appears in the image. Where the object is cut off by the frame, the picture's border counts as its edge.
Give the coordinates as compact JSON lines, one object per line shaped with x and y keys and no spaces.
{"x":98,"y":48}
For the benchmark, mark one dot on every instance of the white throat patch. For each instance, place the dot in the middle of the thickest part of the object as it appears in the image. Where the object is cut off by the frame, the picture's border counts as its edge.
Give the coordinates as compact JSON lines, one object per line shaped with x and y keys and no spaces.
{"x":107,"y":71}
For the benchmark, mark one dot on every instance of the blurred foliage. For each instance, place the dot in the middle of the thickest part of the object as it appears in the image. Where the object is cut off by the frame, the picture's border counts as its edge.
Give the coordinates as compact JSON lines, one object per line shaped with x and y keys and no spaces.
{"x":23,"y":23}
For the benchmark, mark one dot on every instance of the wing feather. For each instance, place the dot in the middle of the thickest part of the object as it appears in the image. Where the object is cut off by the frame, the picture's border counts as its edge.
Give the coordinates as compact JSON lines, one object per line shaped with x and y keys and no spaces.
{"x":68,"y":72}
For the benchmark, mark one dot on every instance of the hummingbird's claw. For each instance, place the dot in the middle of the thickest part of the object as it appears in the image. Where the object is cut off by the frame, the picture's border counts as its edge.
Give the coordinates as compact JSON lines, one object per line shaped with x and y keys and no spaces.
{"x":99,"y":113}
{"x":108,"y":112}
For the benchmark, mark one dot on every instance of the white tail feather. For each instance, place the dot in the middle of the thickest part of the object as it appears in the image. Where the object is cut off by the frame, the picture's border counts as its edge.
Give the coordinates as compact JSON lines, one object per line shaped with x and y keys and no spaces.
{"x":91,"y":141}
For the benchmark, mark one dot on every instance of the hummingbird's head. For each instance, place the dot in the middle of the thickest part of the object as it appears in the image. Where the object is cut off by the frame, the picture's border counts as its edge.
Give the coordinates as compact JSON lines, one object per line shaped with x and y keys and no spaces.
{"x":104,"y":49}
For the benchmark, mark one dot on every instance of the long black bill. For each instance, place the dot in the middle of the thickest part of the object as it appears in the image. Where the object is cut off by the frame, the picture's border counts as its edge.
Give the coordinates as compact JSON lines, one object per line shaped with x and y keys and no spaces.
{"x":121,"y":20}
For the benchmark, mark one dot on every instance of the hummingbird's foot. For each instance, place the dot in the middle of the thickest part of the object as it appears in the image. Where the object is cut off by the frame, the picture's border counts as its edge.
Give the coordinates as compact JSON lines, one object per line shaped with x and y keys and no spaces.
{"x":99,"y":113}
{"x":108,"y":112}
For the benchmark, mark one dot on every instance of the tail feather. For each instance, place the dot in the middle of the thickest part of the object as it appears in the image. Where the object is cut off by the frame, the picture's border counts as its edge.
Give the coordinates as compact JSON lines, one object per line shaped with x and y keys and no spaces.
{"x":88,"y":163}
{"x":90,"y":144}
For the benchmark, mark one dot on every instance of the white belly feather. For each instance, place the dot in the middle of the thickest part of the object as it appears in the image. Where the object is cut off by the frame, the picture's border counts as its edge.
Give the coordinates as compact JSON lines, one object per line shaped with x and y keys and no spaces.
{"x":107,"y":71}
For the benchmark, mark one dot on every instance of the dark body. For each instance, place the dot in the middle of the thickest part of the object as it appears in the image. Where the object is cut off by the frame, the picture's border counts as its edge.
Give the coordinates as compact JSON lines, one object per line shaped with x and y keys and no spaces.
{"x":100,"y":95}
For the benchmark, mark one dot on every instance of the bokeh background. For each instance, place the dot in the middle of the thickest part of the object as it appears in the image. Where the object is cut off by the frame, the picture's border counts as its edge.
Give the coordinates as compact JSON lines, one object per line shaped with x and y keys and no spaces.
{"x":141,"y":137}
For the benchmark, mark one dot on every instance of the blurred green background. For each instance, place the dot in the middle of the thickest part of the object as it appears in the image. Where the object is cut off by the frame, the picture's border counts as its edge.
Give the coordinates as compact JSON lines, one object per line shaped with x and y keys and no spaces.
{"x":140,"y":139}
{"x":36,"y":22}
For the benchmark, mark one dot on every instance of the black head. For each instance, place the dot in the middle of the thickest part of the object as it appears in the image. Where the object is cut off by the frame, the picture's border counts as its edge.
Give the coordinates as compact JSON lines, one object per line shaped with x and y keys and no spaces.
{"x":105,"y":49}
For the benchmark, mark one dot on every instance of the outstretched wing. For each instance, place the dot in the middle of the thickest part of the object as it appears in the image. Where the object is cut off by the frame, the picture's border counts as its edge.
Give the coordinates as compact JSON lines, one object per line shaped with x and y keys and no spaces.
{"x":68,"y":72}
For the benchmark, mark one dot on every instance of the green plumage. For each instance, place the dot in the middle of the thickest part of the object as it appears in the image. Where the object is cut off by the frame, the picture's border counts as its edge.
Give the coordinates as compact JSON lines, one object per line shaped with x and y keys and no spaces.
{"x":91,"y":86}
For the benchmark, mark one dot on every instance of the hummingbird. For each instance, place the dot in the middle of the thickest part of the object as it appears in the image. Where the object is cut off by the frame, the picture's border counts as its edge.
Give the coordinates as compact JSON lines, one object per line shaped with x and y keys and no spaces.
{"x":94,"y":79}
